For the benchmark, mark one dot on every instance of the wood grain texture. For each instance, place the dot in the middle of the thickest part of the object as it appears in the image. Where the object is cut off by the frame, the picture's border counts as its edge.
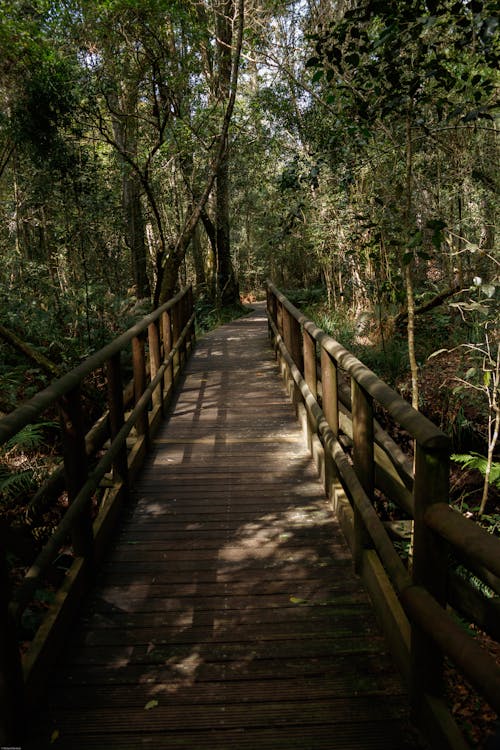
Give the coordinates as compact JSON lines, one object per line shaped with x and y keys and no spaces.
{"x":228,"y":614}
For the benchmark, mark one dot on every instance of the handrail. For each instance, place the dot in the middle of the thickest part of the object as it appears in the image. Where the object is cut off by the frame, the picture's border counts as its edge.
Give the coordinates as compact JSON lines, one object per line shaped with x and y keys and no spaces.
{"x":170,"y":334}
{"x":422,"y":592}
{"x":421,"y":428}
{"x":26,"y":413}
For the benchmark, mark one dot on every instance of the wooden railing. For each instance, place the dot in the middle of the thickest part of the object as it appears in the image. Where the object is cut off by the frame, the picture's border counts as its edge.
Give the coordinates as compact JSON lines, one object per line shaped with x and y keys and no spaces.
{"x":335,"y":396}
{"x":159,"y":346}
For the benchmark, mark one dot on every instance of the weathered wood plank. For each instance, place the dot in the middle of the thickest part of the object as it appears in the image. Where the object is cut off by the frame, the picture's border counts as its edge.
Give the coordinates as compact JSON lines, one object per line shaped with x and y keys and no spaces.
{"x":230,"y":596}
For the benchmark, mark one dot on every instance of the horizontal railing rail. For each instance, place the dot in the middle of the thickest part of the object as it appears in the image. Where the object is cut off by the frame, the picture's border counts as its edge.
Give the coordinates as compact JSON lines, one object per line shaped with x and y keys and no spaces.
{"x":411,"y":600}
{"x":156,"y":365}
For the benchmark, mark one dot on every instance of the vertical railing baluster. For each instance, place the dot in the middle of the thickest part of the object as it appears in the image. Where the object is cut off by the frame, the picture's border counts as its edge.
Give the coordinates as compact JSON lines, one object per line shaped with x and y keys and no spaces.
{"x":330,"y":403}
{"x":176,"y":329}
{"x":363,"y":460}
{"x":182,"y":323}
{"x":309,"y":355}
{"x":272,"y":310}
{"x":190,"y":310}
{"x":279,"y":317}
{"x":166,"y":329}
{"x":155,"y":361}
{"x":139,"y":366}
{"x":116,"y":415}
{"x":292,"y":337}
{"x":76,"y":468}
{"x":310,"y":376}
{"x":429,"y":566}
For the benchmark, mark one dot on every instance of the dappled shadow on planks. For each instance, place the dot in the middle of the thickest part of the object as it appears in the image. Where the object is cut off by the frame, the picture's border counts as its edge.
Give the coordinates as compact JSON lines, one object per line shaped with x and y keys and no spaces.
{"x":228,"y":614}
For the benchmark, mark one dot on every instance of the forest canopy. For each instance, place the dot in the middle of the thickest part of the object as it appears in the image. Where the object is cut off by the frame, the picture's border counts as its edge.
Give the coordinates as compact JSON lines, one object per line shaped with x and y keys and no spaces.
{"x":349,"y":147}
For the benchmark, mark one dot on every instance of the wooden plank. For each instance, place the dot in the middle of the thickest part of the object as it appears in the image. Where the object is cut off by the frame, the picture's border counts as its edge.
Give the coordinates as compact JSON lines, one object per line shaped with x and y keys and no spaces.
{"x":230,"y":596}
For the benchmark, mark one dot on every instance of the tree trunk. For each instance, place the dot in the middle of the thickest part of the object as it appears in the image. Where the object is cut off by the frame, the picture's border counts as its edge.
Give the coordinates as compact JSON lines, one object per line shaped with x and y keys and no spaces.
{"x":199,"y":265}
{"x":227,"y":290}
{"x":176,"y":254}
{"x":125,"y":133}
{"x":408,"y":279}
{"x":135,"y":231}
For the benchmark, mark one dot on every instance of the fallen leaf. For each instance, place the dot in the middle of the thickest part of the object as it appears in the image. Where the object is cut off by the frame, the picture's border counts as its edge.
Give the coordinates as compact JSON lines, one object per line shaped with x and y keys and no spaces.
{"x":151,"y":704}
{"x":54,"y":736}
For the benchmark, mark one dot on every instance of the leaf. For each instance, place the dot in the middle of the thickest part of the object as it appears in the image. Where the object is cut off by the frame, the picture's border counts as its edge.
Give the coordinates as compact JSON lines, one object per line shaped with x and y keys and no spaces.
{"x":416,"y":240}
{"x":54,"y":736}
{"x":313,"y":62}
{"x":151,"y":704}
{"x":297,"y":600}
{"x":488,"y":290}
{"x":470,"y":373}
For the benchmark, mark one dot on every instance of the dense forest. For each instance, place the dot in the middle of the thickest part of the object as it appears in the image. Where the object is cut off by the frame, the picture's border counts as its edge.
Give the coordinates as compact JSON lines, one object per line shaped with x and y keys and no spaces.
{"x":347,"y":150}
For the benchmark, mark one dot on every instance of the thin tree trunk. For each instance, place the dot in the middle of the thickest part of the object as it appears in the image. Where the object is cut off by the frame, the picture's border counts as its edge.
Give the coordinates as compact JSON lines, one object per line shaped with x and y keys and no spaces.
{"x":408,"y":268}
{"x":226,"y":285}
{"x":176,"y":253}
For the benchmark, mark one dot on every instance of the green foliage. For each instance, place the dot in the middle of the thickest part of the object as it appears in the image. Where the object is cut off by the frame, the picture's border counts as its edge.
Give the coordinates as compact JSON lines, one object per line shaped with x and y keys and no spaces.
{"x":337,"y":323}
{"x":210,"y":316}
{"x":13,"y":484}
{"x":21,"y":465}
{"x":446,"y":53}
{"x":475,"y":582}
{"x":477,"y":461}
{"x":30,"y":438}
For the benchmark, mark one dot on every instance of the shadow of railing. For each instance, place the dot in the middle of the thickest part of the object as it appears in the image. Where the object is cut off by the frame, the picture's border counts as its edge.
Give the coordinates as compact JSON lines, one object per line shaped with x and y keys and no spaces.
{"x":411,"y":602}
{"x":159,"y":345}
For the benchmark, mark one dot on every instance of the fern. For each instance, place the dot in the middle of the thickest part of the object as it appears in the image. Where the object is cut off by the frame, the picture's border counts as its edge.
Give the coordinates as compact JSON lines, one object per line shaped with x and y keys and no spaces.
{"x":29,"y":438}
{"x":15,"y":484}
{"x":477,"y":461}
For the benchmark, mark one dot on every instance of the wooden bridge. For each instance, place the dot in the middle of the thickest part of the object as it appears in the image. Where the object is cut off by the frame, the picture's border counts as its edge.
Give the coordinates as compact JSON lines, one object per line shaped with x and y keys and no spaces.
{"x":223,"y":608}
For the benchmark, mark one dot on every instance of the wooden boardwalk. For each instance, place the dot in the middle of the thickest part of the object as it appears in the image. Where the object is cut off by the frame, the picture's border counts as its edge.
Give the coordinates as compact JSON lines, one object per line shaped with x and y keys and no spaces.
{"x":228,"y":615}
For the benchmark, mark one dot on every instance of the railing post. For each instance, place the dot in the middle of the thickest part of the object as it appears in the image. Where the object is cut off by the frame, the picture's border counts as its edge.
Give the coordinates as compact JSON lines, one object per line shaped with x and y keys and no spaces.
{"x":176,"y":329}
{"x":190,"y":310}
{"x":429,"y":568}
{"x":330,"y":404}
{"x":279,"y":317}
{"x":182,"y":323}
{"x":76,"y":468}
{"x":292,"y":338}
{"x":155,"y":361}
{"x":139,"y":365}
{"x":166,"y":334}
{"x":363,"y":460}
{"x":310,"y":375}
{"x":309,"y":355}
{"x":11,"y":673}
{"x":116,"y":415}
{"x":272,"y":311}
